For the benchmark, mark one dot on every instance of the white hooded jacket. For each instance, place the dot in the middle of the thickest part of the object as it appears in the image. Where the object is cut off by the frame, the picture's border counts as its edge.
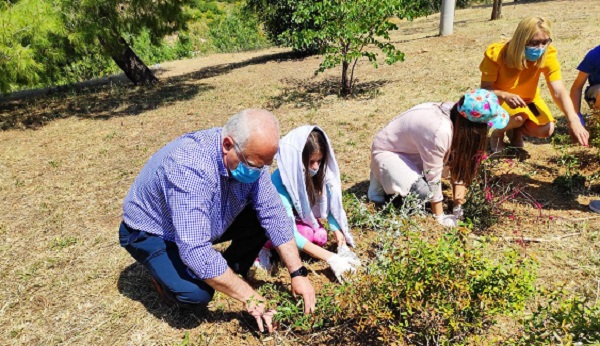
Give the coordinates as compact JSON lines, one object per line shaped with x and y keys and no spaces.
{"x":289,"y":163}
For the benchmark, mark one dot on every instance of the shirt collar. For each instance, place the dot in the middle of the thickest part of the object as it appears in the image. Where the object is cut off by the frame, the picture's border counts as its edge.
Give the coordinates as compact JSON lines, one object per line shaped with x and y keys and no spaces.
{"x":220,"y":163}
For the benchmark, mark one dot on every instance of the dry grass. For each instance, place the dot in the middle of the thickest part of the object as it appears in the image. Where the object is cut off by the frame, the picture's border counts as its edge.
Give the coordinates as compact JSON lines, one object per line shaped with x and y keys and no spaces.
{"x":63,"y":177}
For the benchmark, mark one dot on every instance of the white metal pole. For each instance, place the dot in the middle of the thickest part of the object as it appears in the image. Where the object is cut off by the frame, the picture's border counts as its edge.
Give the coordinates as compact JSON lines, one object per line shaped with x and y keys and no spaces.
{"x":447,"y":17}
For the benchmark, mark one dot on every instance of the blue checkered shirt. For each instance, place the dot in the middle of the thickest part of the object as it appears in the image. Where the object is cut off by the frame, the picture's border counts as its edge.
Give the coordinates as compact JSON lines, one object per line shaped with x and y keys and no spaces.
{"x":184,"y":194}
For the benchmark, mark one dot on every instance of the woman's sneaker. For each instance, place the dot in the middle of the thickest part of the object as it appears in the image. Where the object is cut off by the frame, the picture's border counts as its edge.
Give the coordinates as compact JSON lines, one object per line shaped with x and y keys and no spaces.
{"x":376,"y":193}
{"x":263,"y":261}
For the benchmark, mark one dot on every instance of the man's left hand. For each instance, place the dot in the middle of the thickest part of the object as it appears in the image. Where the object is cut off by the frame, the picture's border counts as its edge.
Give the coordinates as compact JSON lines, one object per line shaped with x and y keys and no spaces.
{"x":302,"y":286}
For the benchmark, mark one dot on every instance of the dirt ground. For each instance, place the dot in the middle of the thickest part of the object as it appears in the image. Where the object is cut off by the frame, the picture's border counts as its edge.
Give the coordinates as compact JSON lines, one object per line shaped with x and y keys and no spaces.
{"x":67,"y":160}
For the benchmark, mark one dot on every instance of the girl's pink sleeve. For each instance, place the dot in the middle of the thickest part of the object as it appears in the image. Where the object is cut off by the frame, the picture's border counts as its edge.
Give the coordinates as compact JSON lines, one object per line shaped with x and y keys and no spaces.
{"x":433,"y":154}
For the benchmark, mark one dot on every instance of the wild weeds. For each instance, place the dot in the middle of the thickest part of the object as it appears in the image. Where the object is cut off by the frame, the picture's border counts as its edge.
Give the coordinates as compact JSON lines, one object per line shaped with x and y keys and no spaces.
{"x":493,"y":187}
{"x":562,"y":318}
{"x":571,"y":182}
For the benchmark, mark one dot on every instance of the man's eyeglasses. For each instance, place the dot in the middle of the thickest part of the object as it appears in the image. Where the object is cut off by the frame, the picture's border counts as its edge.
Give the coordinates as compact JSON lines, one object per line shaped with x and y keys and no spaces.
{"x":535,"y":43}
{"x":239,"y":152}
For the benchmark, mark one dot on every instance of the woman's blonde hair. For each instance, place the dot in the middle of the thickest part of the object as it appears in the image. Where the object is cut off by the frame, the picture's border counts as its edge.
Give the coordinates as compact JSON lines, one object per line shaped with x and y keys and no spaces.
{"x":514,"y":55}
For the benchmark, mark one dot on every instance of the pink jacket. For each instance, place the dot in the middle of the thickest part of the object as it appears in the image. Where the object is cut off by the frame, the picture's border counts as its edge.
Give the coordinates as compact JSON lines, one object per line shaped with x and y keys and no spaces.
{"x":423,"y":135}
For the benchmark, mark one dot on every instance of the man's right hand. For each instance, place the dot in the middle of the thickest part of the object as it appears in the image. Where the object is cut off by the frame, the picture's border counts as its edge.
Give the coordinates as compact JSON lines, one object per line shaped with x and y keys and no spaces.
{"x":256,"y":308}
{"x":302,"y":286}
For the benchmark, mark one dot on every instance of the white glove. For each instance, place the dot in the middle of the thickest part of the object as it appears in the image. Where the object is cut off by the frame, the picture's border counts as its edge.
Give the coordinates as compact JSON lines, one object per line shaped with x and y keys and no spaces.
{"x":458,"y":212}
{"x":340,"y":265}
{"x":344,"y":251}
{"x":447,"y":220}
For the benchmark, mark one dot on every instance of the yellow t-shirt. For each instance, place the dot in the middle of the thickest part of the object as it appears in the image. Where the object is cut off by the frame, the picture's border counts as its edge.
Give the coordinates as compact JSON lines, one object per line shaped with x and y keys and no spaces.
{"x":521,"y":82}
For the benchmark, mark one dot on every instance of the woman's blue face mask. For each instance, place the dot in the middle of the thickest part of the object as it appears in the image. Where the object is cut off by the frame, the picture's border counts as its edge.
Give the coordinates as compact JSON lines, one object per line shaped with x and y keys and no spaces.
{"x":534,"y":53}
{"x":244,"y":173}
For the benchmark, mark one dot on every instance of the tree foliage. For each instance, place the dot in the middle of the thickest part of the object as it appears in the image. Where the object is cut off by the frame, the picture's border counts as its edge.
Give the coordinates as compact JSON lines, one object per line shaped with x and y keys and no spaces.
{"x":33,"y":44}
{"x":346,"y":31}
{"x":50,"y":42}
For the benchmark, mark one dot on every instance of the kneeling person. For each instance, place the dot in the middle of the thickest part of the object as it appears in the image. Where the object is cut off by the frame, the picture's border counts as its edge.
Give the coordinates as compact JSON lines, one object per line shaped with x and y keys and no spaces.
{"x":204,"y":188}
{"x":409,"y":154}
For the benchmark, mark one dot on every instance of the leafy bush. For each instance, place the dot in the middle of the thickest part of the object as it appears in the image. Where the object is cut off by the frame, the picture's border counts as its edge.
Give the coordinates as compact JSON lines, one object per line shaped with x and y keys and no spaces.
{"x":562,"y":319}
{"x":417,"y":290}
{"x":593,"y":125}
{"x":571,"y":182}
{"x":152,"y":53}
{"x":388,"y":218}
{"x":434,"y":292}
{"x":236,"y":32}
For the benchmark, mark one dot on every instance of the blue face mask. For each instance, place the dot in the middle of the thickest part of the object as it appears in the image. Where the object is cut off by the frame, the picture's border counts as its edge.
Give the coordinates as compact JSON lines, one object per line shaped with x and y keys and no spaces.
{"x":534,"y":53}
{"x":245,"y":174}
{"x":313,"y":172}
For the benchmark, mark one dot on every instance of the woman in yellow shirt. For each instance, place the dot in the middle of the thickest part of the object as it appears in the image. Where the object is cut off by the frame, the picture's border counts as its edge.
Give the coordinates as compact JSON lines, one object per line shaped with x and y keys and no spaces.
{"x":512,"y":70}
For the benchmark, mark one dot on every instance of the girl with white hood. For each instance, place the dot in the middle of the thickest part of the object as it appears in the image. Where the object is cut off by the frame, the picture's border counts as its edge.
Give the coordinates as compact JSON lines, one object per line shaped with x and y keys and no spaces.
{"x":308,"y":182}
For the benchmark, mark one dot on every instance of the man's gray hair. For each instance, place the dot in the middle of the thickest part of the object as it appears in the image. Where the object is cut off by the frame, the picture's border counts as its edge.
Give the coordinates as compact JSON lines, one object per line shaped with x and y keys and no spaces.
{"x":243,"y":124}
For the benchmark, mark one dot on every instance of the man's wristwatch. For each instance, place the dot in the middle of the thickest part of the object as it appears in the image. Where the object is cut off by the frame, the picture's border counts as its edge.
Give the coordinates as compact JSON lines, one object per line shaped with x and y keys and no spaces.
{"x":302,"y":271}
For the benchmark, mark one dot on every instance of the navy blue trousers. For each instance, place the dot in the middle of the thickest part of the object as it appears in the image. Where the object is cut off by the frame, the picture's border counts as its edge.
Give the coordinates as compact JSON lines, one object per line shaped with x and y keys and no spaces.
{"x":162,"y":260}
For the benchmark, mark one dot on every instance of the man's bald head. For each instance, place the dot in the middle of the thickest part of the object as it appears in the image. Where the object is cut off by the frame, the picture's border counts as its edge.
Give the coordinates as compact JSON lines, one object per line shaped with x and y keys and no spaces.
{"x":255,"y":133}
{"x":253,"y":123}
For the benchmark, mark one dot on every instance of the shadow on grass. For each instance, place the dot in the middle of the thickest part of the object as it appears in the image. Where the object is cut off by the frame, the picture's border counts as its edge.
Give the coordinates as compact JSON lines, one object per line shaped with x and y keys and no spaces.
{"x":359,"y":189}
{"x":134,"y":283}
{"x":305,"y":93}
{"x":114,"y":97}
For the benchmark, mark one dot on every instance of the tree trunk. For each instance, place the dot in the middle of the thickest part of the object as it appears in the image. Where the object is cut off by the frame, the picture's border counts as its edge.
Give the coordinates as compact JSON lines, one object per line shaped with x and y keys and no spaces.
{"x":346,"y":83}
{"x":133,"y":67}
{"x":497,"y":10}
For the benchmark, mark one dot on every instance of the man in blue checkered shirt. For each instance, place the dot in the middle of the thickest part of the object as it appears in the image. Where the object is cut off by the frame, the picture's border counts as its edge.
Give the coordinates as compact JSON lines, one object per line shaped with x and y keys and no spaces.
{"x":204,"y":188}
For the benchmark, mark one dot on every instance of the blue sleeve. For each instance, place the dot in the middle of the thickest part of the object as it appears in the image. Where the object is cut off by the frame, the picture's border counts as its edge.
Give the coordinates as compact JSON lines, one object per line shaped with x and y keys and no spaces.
{"x":271,"y":211}
{"x":287,"y":203}
{"x":300,"y":240}
{"x":333,"y":224}
{"x":331,"y":221}
{"x":592,"y":59}
{"x":283,"y":194}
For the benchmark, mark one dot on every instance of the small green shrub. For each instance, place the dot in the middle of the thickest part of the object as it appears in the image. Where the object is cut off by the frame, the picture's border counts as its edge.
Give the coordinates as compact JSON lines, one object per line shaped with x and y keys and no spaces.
{"x":388,"y":218}
{"x":569,"y":184}
{"x":417,"y":291}
{"x":593,"y":126}
{"x":443,"y":291}
{"x":151,"y":53}
{"x":563,"y":319}
{"x":236,"y":32}
{"x":290,"y":310}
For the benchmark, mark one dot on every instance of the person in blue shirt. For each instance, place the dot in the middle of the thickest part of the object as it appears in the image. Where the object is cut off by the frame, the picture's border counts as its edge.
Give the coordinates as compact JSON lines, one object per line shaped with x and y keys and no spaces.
{"x":204,"y":188}
{"x":589,"y":70}
{"x":308,"y":182}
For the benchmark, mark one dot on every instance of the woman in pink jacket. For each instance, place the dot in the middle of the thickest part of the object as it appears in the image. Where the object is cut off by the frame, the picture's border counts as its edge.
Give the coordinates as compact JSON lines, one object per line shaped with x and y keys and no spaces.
{"x":409,"y":154}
